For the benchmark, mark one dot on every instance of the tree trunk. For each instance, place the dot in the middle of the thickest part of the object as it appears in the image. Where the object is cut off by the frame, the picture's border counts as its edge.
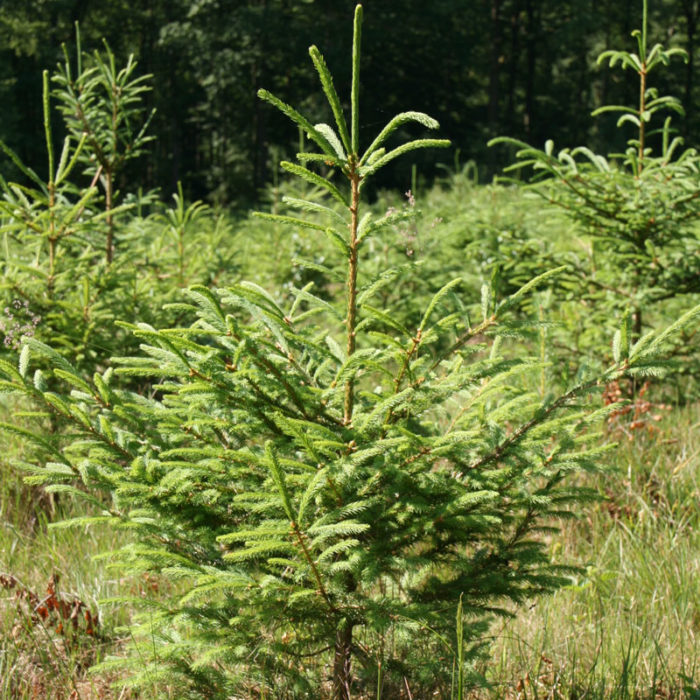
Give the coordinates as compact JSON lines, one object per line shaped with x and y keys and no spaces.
{"x":341,"y":662}
{"x":495,"y":72}
{"x":636,"y":325}
{"x":513,"y":73}
{"x":531,"y":59}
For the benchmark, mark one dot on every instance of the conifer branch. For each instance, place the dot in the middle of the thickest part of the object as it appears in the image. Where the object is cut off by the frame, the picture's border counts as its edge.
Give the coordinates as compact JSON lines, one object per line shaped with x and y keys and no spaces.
{"x":415,"y":343}
{"x":465,"y":338}
{"x":538,"y":418}
{"x":299,"y":535}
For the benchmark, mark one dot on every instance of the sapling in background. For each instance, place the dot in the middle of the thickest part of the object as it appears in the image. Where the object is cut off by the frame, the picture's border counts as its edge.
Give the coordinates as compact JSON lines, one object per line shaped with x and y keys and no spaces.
{"x":639,"y":209}
{"x":48,"y":257}
{"x":103,"y":104}
{"x":179,"y":219}
{"x":325,"y":484}
{"x":57,"y":284}
{"x":55,"y":231}
{"x":58,"y":254}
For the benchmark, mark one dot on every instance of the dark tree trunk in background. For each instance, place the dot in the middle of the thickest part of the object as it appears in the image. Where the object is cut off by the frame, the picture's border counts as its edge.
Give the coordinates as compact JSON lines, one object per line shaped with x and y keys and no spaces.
{"x":691,"y":13}
{"x":514,"y":52}
{"x":258,"y":140}
{"x":531,"y":61}
{"x":496,"y":60}
{"x":495,"y":123}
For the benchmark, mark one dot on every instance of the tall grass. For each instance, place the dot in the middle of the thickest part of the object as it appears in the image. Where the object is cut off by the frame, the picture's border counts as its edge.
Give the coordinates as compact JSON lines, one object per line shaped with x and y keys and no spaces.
{"x":629,"y":627}
{"x":36,"y":660}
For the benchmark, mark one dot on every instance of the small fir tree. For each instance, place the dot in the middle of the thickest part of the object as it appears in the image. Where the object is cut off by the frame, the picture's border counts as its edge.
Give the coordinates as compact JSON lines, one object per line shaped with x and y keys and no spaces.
{"x":325,"y":485}
{"x":640,"y":207}
{"x":58,"y":284}
{"x":48,"y":226}
{"x":103,"y":105}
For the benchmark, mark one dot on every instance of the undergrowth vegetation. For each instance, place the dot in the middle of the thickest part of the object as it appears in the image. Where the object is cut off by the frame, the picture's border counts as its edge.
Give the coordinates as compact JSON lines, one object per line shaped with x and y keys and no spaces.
{"x":443,"y":444}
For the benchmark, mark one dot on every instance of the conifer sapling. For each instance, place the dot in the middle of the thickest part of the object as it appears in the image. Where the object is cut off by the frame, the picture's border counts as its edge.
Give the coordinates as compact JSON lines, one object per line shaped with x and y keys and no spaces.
{"x":327,"y":486}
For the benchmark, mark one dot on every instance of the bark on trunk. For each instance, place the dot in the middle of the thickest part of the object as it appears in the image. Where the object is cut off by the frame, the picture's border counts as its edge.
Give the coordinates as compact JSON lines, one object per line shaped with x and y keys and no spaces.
{"x":341,"y":662}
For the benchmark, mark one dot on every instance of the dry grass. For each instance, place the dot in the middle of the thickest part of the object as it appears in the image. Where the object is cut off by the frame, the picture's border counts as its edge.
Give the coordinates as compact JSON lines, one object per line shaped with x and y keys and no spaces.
{"x":629,"y":627}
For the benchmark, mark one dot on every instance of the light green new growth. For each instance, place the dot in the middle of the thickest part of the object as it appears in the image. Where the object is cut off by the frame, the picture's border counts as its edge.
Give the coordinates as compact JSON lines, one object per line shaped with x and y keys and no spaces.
{"x":352,"y":164}
{"x":355,"y":102}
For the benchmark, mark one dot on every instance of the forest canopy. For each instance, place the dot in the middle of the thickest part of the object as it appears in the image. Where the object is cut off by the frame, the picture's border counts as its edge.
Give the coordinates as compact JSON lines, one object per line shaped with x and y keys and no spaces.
{"x":525,"y":68}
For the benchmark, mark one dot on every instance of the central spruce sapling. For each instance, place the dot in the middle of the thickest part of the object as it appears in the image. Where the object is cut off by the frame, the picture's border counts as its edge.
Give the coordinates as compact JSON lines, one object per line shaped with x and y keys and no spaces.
{"x":324,"y":484}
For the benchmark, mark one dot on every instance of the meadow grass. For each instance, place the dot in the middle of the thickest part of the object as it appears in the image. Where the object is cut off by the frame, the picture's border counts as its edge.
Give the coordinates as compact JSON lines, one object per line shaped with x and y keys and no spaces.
{"x":36,"y":661}
{"x":628,"y":626}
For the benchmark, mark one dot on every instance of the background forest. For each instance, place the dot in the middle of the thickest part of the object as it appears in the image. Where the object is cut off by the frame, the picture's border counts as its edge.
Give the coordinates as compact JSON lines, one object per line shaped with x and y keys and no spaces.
{"x":525,"y":68}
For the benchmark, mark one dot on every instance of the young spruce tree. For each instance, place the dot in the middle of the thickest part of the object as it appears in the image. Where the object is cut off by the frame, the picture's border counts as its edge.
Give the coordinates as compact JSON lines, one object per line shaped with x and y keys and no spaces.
{"x":103,"y":104}
{"x":325,"y":485}
{"x":55,"y":272}
{"x":640,"y":208}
